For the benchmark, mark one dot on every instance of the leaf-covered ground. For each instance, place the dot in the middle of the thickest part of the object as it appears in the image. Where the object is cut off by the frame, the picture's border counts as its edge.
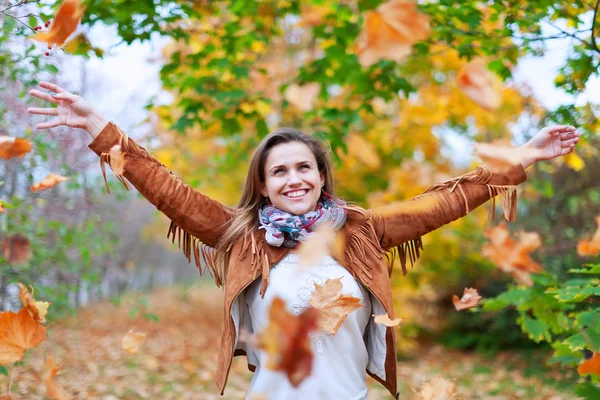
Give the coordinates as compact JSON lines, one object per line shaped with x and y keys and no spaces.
{"x":178,"y":358}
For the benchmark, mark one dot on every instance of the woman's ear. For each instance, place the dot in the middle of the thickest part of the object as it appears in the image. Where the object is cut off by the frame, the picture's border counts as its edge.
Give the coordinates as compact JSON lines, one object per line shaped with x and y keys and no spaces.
{"x":263,"y":190}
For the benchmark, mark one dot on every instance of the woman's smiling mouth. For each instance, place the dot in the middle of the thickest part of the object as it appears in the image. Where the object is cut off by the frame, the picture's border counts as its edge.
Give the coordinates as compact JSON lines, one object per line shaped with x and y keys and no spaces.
{"x":296,"y":194}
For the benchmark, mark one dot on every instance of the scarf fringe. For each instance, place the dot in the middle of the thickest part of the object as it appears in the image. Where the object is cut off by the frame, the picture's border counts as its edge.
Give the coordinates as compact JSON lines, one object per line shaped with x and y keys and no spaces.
{"x":203,"y":254}
{"x":508,"y":201}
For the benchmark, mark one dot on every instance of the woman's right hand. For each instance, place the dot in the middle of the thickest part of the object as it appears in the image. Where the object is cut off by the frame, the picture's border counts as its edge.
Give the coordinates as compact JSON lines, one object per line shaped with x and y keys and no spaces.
{"x":71,"y":110}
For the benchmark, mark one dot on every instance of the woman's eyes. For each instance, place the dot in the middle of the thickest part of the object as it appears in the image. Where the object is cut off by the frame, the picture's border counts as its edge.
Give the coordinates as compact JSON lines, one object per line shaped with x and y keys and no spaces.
{"x":302,"y":167}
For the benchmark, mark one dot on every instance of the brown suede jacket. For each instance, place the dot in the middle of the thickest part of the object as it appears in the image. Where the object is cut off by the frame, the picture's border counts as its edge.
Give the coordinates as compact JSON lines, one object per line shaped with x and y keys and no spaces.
{"x":373,"y":237}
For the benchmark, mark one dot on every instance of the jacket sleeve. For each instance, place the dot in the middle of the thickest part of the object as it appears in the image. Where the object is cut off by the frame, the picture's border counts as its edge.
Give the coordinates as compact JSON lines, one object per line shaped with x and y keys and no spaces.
{"x":400,"y":226}
{"x":196,"y":220}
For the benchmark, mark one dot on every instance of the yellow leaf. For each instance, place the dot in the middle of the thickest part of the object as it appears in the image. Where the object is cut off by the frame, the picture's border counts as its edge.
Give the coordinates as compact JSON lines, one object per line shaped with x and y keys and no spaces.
{"x":132,"y":341}
{"x":574,"y":161}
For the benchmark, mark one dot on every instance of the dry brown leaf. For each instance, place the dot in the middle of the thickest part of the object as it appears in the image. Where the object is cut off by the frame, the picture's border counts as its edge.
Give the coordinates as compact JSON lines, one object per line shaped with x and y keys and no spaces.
{"x":51,"y":180}
{"x":477,"y":82}
{"x":132,"y":341}
{"x":590,"y":248}
{"x":385,"y":320}
{"x":53,"y":391}
{"x":469,"y":299}
{"x":436,"y":389}
{"x":511,"y":256}
{"x":591,"y":366}
{"x":64,"y":24}
{"x":325,"y":241}
{"x":11,"y":147}
{"x":332,"y":305}
{"x":16,"y":249}
{"x":18,"y":332}
{"x":499,"y":157}
{"x":363,"y":151}
{"x":117,"y":160}
{"x":390,"y":31}
{"x":302,"y":97}
{"x":287,"y":343}
{"x":37,"y":309}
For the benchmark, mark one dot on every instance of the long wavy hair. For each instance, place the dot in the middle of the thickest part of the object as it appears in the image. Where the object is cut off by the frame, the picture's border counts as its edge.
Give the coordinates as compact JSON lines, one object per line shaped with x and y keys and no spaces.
{"x":245,"y":217}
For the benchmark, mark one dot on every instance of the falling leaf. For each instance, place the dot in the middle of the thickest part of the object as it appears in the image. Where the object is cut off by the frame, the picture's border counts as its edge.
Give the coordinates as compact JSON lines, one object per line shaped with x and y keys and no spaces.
{"x":302,"y":97}
{"x":11,"y":147}
{"x":325,"y":241}
{"x":574,"y":161}
{"x":18,"y":332}
{"x":53,"y":391}
{"x":477,"y":82}
{"x":37,"y":309}
{"x":390,"y":31}
{"x":590,"y":248}
{"x":591,"y":366}
{"x":80,"y":44}
{"x":2,"y":210}
{"x":333,"y":306}
{"x":385,"y":320}
{"x":363,"y":151}
{"x":64,"y":24}
{"x":117,"y":160}
{"x":469,"y":299}
{"x":499,"y":157}
{"x":16,"y":249}
{"x":511,"y":256}
{"x":436,"y":389}
{"x":133,"y":341}
{"x":287,"y":343}
{"x":51,"y":180}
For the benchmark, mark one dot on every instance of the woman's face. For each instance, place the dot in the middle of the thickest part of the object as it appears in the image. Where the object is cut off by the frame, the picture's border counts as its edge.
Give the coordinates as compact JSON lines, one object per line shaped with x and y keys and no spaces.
{"x":292,"y":179}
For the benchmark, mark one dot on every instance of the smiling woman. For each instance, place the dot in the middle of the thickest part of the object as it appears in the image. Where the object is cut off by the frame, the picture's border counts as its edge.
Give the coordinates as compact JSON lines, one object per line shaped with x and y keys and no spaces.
{"x":288,"y":194}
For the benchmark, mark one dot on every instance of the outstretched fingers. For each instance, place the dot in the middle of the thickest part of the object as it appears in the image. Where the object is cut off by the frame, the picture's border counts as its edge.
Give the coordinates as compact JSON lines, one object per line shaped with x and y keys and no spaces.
{"x":53,"y":87}
{"x":551,"y":130}
{"x":42,"y":95}
{"x":43,"y":111}
{"x":50,"y":124}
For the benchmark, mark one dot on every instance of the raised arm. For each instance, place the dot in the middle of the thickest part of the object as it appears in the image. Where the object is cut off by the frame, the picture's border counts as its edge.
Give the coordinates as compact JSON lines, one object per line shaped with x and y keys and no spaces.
{"x":195,"y":217}
{"x":402,"y":225}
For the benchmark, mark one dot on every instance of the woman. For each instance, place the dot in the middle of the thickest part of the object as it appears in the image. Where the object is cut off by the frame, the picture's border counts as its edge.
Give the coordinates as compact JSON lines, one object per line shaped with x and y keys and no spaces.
{"x":288,"y":193}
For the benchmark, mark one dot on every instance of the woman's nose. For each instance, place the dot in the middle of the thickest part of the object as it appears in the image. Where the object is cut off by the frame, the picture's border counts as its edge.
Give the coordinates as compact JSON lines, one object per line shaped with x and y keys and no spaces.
{"x":294,"y":179}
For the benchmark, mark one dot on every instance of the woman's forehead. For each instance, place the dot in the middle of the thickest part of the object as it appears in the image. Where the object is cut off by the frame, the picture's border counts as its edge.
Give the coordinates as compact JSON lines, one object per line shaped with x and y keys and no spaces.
{"x":290,"y":153}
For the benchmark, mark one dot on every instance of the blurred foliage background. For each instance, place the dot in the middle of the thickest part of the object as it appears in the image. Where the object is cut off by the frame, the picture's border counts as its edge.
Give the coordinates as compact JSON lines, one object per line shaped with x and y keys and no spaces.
{"x":234,"y":70}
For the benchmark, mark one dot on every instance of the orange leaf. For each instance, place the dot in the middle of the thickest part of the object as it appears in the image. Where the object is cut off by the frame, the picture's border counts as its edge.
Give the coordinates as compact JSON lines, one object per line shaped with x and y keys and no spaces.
{"x":312,"y":14}
{"x":64,"y":24}
{"x":470,"y":298}
{"x":304,"y":96}
{"x":590,"y":248}
{"x":287,"y":343}
{"x":437,"y":389}
{"x":53,"y":391}
{"x":51,"y":180}
{"x":385,"y":320}
{"x":333,"y":306}
{"x":390,"y":31}
{"x":591,"y":366}
{"x":477,"y":82}
{"x":2,"y":210}
{"x":7,"y":397}
{"x":37,"y":309}
{"x":16,"y":249}
{"x":322,"y":243}
{"x":499,"y":157}
{"x":18,"y":332}
{"x":132,"y":341}
{"x":13,"y":147}
{"x":117,"y":160}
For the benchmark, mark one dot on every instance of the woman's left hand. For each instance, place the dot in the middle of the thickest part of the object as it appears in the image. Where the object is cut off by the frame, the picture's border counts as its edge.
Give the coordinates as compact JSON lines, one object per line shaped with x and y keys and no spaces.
{"x":549,"y":143}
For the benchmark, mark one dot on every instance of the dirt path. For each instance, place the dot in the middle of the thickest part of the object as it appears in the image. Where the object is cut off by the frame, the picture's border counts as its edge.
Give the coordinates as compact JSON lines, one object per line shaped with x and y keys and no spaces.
{"x":177,"y":361}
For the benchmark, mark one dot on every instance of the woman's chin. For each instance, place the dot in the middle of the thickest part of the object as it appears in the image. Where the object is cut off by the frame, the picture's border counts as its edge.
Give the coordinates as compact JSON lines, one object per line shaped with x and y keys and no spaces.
{"x":296,"y":209}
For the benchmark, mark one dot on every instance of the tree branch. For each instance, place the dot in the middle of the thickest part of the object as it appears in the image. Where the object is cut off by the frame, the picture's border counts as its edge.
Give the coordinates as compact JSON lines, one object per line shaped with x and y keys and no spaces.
{"x":569,"y":34}
{"x":594,"y":44}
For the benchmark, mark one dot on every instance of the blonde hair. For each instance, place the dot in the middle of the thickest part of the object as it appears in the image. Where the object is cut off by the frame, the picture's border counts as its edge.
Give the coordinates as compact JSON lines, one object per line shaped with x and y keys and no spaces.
{"x":245,"y":217}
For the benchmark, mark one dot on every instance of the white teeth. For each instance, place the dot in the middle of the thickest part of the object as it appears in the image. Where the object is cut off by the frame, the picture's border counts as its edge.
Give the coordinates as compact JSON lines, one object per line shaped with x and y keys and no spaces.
{"x":297,"y":193}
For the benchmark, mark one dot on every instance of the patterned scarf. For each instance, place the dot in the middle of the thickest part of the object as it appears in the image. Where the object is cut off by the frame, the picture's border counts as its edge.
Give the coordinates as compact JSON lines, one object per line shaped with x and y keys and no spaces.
{"x":288,"y":229}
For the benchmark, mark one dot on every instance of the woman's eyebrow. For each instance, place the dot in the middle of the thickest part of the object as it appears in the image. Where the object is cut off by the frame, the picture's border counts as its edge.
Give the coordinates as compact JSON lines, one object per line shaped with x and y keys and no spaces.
{"x":285,"y":166}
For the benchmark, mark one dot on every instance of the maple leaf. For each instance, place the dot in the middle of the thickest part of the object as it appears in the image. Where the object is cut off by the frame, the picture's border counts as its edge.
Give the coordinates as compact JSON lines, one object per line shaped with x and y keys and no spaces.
{"x":511,"y":256}
{"x":117,"y":160}
{"x":37,"y":309}
{"x":53,"y":391}
{"x":11,"y":147}
{"x":385,"y":320}
{"x":323,"y":242}
{"x":499,"y":157}
{"x":591,"y":366}
{"x":390,"y":31}
{"x":477,"y":82}
{"x":18,"y":332}
{"x":49,"y":181}
{"x":436,"y":389}
{"x":64,"y":24}
{"x":132,"y":341}
{"x":469,"y":299}
{"x":287,"y":343}
{"x":332,"y":305}
{"x":302,"y":97}
{"x":590,"y":248}
{"x":16,"y":249}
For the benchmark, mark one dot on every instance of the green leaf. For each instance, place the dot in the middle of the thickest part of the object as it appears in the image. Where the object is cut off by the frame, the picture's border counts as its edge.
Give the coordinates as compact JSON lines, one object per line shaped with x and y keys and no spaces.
{"x":576,"y":342}
{"x":588,"y":391}
{"x":535,"y":329}
{"x":589,"y":269}
{"x":151,"y":316}
{"x":3,"y":370}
